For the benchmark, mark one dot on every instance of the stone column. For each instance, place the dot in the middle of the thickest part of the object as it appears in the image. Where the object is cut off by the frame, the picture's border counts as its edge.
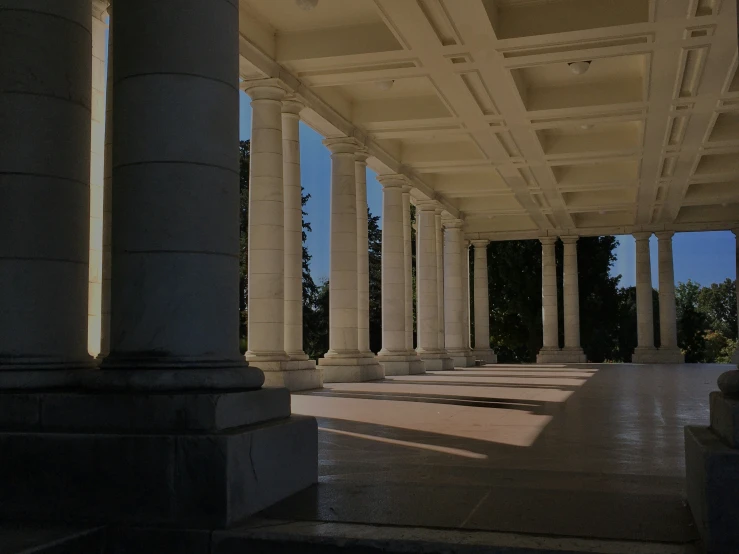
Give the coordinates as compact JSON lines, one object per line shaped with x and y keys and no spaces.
{"x":668,"y":351}
{"x":45,"y":87}
{"x":453,"y":294}
{"x":394,"y":356}
{"x":482,"y":349}
{"x":174,"y":389}
{"x":735,"y":358}
{"x":645,"y":351}
{"x":572,"y":352}
{"x":343,"y":362}
{"x":363,"y":338}
{"x":550,"y":351}
{"x":266,"y":250}
{"x":97,"y":176}
{"x":427,"y":317}
{"x":299,"y":373}
{"x":408,"y":268}
{"x":465,"y":253}
{"x":447,"y":362}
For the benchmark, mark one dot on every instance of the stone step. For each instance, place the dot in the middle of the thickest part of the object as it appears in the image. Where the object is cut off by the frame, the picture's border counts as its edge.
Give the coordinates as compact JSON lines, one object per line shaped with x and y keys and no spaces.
{"x":282,"y":537}
{"x":50,"y":539}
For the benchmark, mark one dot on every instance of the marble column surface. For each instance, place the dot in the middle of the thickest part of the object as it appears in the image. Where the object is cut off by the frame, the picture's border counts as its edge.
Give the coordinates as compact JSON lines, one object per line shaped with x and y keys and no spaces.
{"x":343,"y":362}
{"x":363,"y":337}
{"x":175,"y":241}
{"x":572,"y":351}
{"x":482,"y":349}
{"x":454,"y":315}
{"x":467,"y":327}
{"x":394,"y":357}
{"x":45,"y":109}
{"x":645,"y":350}
{"x":550,"y":324}
{"x":668,"y":352}
{"x":97,"y":176}
{"x":408,"y":267}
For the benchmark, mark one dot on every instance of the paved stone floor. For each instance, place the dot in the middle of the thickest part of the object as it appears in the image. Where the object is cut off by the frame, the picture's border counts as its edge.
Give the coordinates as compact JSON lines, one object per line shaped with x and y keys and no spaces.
{"x":578,"y":450}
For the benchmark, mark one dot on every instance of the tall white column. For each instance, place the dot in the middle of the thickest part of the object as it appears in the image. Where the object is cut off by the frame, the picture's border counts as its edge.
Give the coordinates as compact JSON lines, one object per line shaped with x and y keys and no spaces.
{"x":395,"y":357}
{"x":482,"y":304}
{"x":645,"y":349}
{"x":343,"y":361}
{"x":97,"y":175}
{"x":45,"y":86}
{"x":408,"y":267}
{"x":266,"y":251}
{"x":466,"y":327}
{"x":550,"y":322}
{"x":454,"y":339}
{"x":735,"y":358}
{"x":572,"y":352}
{"x":176,"y":197}
{"x":668,"y":352}
{"x":293,"y":211}
{"x":363,"y":337}
{"x":440,"y":273}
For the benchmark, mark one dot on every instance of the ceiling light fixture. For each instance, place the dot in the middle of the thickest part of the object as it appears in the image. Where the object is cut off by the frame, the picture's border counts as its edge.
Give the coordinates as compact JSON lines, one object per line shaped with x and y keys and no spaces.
{"x":578,"y":68}
{"x":602,"y":212}
{"x":385,"y":85}
{"x":586,"y":126}
{"x":306,"y":5}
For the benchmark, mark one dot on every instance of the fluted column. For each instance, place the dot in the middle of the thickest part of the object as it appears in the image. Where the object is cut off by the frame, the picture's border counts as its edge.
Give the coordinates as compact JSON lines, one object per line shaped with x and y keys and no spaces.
{"x":550,"y":322}
{"x":293,"y":211}
{"x":97,"y":175}
{"x":175,"y":195}
{"x":572,"y":351}
{"x":482,"y":303}
{"x":427,"y":319}
{"x":668,"y":352}
{"x":266,"y":251}
{"x":453,"y":293}
{"x":45,"y":86}
{"x":645,"y":349}
{"x":363,"y":337}
{"x":440,"y":273}
{"x":343,"y":361}
{"x":466,"y":327}
{"x":408,"y":267}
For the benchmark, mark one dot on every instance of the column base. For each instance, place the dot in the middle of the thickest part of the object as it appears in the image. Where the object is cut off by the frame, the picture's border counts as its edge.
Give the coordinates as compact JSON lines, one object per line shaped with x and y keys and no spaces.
{"x":198,"y":459}
{"x":461,"y":358}
{"x":400,"y":364}
{"x":657,"y":356}
{"x":435,"y":360}
{"x":561,"y":356}
{"x":350,"y":370}
{"x":295,"y":375}
{"x":485,"y":355}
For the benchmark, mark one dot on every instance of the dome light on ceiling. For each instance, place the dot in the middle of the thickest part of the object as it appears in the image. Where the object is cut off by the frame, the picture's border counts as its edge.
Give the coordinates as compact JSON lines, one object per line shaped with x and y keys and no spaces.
{"x":578,"y":68}
{"x":385,"y":85}
{"x":306,"y":5}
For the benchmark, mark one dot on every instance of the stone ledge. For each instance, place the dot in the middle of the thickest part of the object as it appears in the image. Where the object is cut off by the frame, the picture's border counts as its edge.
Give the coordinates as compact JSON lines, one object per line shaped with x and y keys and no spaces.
{"x":561,"y":356}
{"x":197,"y":481}
{"x":127,"y":412}
{"x":408,"y":364}
{"x":712,"y":479}
{"x":370,"y":370}
{"x":302,"y":379}
{"x":657,"y":356}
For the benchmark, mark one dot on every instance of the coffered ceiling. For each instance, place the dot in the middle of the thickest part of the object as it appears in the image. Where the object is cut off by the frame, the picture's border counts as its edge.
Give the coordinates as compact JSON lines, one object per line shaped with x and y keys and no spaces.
{"x":477,"y":102}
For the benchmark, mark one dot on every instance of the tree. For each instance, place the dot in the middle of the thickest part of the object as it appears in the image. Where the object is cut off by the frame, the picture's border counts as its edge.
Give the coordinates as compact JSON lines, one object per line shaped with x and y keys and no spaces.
{"x":374,"y":239}
{"x":691,"y":323}
{"x":244,"y":152}
{"x":718,"y":304}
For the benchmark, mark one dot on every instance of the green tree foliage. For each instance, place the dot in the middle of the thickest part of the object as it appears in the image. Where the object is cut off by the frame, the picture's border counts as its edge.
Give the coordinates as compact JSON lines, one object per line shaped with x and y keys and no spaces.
{"x":718,"y":303}
{"x":374,"y":239}
{"x":692,"y":324}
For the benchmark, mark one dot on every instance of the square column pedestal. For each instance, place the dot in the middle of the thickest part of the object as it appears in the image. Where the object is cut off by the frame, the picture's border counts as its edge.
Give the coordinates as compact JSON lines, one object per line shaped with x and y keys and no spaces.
{"x":712,"y":470}
{"x":561,"y":356}
{"x":466,"y":359}
{"x":295,"y":375}
{"x":350,"y":370}
{"x":486,"y":356}
{"x":186,"y":459}
{"x":401,"y":365}
{"x":657,"y":356}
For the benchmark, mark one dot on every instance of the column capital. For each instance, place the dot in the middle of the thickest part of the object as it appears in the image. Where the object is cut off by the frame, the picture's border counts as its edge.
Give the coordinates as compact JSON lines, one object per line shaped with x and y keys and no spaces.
{"x":407,"y":190}
{"x":361,"y":155}
{"x":392,"y":180}
{"x":342,"y":145}
{"x":99,"y":9}
{"x":480,"y":243}
{"x":548,"y":241}
{"x":426,"y":205}
{"x":264,"y":89}
{"x":291,"y":105}
{"x":665,"y":235}
{"x":645,"y":235}
{"x":569,"y":239}
{"x":453,"y":223}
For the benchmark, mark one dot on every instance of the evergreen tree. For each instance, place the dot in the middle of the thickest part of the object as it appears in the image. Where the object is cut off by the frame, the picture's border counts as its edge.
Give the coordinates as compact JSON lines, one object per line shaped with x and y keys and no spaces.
{"x":374,"y":239}
{"x":692,"y":324}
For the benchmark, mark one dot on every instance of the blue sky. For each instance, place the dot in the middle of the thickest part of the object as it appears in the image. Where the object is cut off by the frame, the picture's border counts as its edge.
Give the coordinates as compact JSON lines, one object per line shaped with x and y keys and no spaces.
{"x":703,"y":257}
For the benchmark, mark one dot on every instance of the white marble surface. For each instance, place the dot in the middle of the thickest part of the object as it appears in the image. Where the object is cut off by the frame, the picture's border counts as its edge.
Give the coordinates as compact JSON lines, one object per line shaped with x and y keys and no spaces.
{"x":571,"y":294}
{"x":667,"y":312}
{"x":549,"y":293}
{"x":408,"y":267}
{"x":644,"y":315}
{"x":427,"y":321}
